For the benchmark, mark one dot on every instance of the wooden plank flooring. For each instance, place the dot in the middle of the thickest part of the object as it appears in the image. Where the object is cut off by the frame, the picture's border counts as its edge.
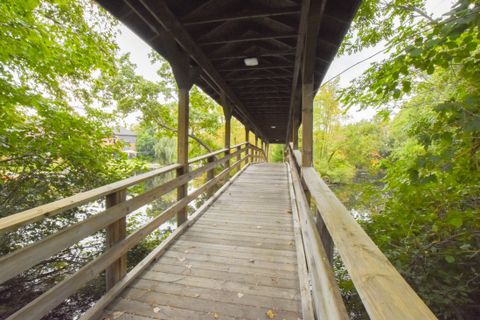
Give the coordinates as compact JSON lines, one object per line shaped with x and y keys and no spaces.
{"x":238,"y":261}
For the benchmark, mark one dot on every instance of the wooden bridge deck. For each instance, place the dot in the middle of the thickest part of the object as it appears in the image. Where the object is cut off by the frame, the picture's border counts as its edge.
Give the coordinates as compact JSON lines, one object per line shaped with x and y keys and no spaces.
{"x":238,"y":261}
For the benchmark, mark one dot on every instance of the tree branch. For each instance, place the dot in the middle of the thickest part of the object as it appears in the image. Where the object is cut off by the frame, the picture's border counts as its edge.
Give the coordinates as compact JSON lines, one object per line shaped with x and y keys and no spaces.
{"x":190,"y":135}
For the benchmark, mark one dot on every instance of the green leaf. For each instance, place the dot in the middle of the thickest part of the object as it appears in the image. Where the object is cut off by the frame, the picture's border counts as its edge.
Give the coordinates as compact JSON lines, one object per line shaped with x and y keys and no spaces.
{"x":406,"y":86}
{"x":456,"y":221}
{"x":450,"y":259}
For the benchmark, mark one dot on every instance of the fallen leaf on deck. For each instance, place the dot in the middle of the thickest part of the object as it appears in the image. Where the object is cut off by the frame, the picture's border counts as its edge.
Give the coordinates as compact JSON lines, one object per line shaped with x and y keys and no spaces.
{"x":188,"y":266}
{"x":252,"y":260}
{"x":240,"y":294}
{"x":270,"y":314}
{"x":259,"y":227}
{"x":117,"y":314}
{"x":289,"y":211}
{"x":156,"y":309}
{"x":181,"y":259}
{"x":259,"y":243}
{"x":216,"y":316}
{"x":290,"y":243}
{"x":197,"y":295}
{"x":186,"y":251}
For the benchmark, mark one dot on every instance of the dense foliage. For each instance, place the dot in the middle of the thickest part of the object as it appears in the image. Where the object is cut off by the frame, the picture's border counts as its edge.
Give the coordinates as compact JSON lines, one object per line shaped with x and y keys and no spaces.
{"x":413,"y":176}
{"x":52,"y":136}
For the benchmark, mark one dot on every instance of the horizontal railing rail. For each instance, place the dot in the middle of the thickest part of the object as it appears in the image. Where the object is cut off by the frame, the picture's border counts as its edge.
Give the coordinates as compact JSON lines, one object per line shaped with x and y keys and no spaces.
{"x":23,"y":259}
{"x":50,"y":209}
{"x":325,"y":293}
{"x":383,"y":291}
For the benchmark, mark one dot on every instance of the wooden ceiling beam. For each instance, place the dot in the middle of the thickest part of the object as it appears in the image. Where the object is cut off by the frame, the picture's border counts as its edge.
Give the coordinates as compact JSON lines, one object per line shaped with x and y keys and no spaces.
{"x":258,"y":55}
{"x":279,"y":92}
{"x":266,"y":77}
{"x":305,"y":7}
{"x":256,"y":96}
{"x":268,"y":105}
{"x":162,"y":14}
{"x":249,"y":39}
{"x":261,"y":85}
{"x":282,"y":66}
{"x":242,"y":16}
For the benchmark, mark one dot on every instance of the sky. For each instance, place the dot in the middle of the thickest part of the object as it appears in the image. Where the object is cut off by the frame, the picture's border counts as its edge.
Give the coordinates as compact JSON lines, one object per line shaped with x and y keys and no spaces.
{"x":139,"y":50}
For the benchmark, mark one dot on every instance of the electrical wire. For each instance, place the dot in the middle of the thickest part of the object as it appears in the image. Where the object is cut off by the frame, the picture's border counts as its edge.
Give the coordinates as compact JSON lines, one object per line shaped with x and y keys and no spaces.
{"x":390,"y":46}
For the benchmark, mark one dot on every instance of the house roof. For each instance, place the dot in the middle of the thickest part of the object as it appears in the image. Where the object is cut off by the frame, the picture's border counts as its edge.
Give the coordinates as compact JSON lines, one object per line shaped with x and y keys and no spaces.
{"x":121,"y":131}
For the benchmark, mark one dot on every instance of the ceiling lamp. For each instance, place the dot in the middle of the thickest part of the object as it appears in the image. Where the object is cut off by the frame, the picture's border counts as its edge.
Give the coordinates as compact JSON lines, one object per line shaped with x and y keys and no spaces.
{"x":273,"y":127}
{"x":251,"y":62}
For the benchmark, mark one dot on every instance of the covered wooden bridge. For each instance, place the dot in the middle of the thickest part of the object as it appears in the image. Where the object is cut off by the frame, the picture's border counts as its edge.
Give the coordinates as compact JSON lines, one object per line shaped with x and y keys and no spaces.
{"x":261,"y":246}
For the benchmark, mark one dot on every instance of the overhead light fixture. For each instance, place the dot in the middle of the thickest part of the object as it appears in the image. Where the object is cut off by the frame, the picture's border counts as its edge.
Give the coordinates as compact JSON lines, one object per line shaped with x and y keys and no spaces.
{"x":273,"y":127}
{"x":251,"y":62}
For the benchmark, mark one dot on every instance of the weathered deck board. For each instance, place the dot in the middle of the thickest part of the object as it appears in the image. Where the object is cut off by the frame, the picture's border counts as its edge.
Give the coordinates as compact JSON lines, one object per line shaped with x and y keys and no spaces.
{"x":238,"y":261}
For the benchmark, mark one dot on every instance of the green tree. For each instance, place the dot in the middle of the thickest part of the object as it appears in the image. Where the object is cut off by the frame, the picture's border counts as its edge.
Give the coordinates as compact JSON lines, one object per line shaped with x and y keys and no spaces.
{"x":429,"y":218}
{"x":52,"y":136}
{"x":156,"y":101}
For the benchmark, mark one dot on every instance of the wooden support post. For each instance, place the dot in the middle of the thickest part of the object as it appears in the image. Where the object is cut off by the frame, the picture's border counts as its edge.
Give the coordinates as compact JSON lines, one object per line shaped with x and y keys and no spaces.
{"x":227,"y":110}
{"x":211,"y":175}
{"x":296,"y":125}
{"x":239,"y":155}
{"x":184,"y":76}
{"x":307,"y":124}
{"x":261,"y":149}
{"x":247,"y":139}
{"x":116,"y":232}
{"x":268,"y":151}
{"x":308,"y":67}
{"x":257,"y":153}
{"x":182,"y":148}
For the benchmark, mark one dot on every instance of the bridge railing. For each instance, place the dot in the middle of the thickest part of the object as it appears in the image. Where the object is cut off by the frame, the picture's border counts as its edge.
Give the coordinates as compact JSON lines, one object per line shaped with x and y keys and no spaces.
{"x":113,"y":220}
{"x":326,"y":223}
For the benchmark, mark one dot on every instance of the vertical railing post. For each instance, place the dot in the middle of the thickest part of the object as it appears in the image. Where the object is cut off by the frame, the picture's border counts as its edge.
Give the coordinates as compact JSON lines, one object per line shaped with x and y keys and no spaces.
{"x":211,"y":175}
{"x":325,"y":236}
{"x":227,"y":110}
{"x":296,"y":125}
{"x":247,"y":149}
{"x":239,"y":155}
{"x":257,"y":154}
{"x":116,"y":232}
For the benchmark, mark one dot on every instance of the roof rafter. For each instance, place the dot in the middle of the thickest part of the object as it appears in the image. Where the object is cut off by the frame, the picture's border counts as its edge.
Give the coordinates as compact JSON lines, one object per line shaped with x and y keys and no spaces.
{"x":241,"y":16}
{"x":248,"y":39}
{"x":167,"y":19}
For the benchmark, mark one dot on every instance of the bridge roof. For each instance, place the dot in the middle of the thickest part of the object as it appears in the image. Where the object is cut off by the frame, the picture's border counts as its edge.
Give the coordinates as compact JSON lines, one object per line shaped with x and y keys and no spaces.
{"x":217,"y":35}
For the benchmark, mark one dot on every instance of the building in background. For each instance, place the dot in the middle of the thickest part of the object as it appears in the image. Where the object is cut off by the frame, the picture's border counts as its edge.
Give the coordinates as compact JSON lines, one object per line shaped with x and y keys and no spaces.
{"x":128,"y":138}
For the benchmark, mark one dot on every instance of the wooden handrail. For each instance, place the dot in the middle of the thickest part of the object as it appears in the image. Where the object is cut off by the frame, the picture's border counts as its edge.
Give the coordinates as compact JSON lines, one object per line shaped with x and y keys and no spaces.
{"x":383,"y":291}
{"x":327,"y":299}
{"x":14,"y":221}
{"x":22,"y":259}
{"x":211,"y":154}
{"x":254,"y":147}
